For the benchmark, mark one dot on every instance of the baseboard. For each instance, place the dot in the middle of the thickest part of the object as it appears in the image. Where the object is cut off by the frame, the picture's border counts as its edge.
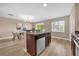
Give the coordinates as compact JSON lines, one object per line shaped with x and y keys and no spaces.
{"x":60,"y":38}
{"x":5,"y":38}
{"x":25,"y":50}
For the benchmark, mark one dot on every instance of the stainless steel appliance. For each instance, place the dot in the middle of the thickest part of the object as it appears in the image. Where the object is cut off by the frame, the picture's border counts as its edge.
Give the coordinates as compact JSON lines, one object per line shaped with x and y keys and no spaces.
{"x":76,"y":41}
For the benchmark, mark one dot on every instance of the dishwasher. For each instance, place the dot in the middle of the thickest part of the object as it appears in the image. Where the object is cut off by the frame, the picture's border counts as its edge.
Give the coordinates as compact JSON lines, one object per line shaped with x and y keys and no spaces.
{"x":40,"y":45}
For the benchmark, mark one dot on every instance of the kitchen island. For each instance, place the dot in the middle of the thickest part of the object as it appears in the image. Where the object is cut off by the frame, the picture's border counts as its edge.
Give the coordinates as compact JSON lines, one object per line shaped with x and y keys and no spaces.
{"x":37,"y":42}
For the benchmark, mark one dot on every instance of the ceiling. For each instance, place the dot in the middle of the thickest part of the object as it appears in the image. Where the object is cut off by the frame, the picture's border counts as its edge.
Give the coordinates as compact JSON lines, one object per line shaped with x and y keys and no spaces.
{"x":34,"y":12}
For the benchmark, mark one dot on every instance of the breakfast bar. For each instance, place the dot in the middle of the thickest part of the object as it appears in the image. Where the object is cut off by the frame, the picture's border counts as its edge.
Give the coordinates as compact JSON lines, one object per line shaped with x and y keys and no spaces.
{"x":37,"y":42}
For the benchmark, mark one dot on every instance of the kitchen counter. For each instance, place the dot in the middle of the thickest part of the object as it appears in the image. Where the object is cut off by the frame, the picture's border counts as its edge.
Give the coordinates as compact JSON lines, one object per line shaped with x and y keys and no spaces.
{"x":37,"y":42}
{"x":37,"y":33}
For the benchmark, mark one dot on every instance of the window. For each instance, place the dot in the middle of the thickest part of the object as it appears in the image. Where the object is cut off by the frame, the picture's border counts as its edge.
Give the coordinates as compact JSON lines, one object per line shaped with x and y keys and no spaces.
{"x":58,"y":26}
{"x":39,"y":27}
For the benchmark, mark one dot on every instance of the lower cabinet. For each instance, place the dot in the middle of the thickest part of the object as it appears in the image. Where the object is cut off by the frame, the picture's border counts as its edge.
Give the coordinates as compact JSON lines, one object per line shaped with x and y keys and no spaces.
{"x":37,"y":43}
{"x":47,"y":39}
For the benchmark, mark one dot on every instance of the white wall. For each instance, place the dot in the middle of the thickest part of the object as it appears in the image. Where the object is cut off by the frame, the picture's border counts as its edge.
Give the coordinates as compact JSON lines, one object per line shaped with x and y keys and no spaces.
{"x":76,"y":16}
{"x":72,"y":21}
{"x":9,"y":25}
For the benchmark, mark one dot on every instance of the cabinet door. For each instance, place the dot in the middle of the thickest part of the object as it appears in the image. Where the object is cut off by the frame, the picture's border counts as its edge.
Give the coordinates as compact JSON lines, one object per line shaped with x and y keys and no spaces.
{"x":73,"y":47}
{"x":31,"y":45}
{"x":47,"y":39}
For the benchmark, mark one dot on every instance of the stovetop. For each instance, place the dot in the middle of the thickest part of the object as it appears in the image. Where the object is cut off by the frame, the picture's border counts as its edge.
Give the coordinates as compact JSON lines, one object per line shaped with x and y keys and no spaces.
{"x":75,"y":37}
{"x":77,"y":41}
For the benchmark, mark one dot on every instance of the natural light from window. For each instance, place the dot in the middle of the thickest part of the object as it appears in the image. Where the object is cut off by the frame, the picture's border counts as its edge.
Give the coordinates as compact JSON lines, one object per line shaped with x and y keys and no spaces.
{"x":58,"y":26}
{"x":39,"y":27}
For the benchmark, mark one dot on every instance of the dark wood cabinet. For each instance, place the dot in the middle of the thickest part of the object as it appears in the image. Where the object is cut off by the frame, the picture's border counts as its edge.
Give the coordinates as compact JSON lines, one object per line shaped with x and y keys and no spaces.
{"x":32,"y":42}
{"x":47,"y":39}
{"x":73,"y":47}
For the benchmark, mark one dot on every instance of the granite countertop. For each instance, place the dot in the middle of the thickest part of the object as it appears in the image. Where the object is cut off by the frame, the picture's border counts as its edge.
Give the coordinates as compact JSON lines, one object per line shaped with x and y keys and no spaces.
{"x":37,"y":33}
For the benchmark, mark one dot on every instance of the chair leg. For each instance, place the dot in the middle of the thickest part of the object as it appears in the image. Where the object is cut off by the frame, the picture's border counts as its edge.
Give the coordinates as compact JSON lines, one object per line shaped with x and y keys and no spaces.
{"x":13,"y":38}
{"x":19,"y":37}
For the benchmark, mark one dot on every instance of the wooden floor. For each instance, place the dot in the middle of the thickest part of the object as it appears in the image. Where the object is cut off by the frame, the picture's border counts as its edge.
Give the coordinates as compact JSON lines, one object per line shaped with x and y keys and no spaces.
{"x":57,"y":47}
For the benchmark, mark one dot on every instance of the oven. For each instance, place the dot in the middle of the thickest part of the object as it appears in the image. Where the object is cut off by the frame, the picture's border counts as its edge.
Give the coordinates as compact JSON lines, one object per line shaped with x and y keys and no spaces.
{"x":76,"y":41}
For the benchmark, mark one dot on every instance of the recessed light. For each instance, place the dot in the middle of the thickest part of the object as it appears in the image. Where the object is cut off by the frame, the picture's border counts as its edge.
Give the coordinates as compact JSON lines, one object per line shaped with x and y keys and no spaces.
{"x":45,"y":5}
